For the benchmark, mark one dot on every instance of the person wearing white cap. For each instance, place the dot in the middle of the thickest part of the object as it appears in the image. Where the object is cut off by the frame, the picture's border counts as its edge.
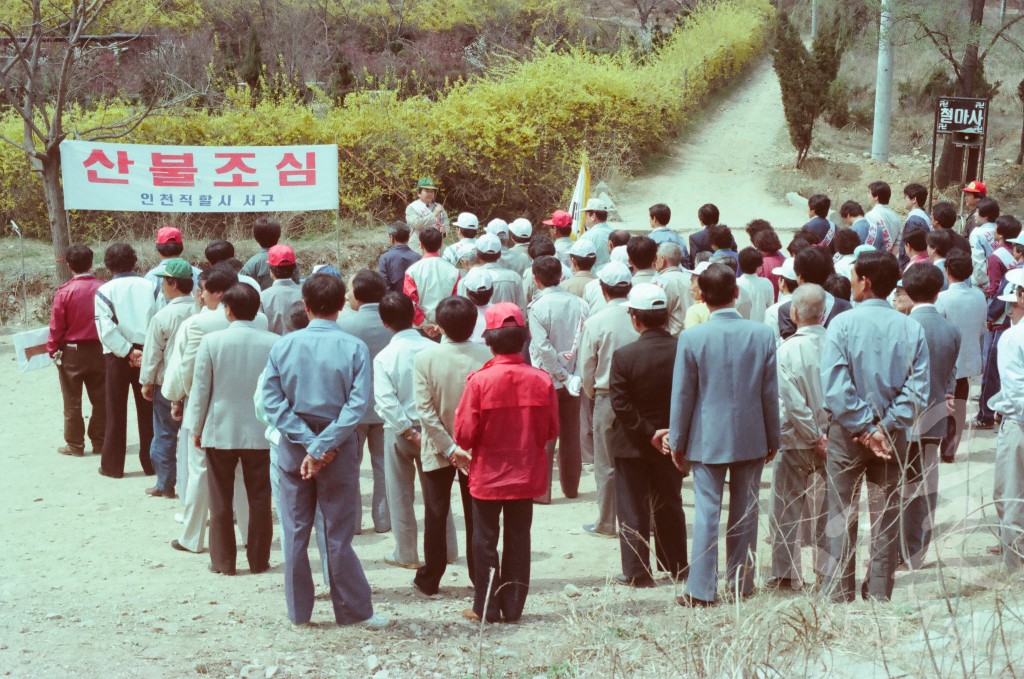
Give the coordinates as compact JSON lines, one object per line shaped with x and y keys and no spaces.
{"x":698,"y":312}
{"x":964,"y":305}
{"x":1008,"y":492}
{"x":597,"y":230}
{"x":642,"y":253}
{"x":647,"y":483}
{"x":467,"y":224}
{"x":922,"y":282}
{"x":724,"y":422}
{"x":517,"y":258}
{"x":787,"y":284}
{"x":798,"y":478}
{"x":556,"y":327}
{"x":582,"y":257}
{"x":478,"y":287}
{"x":507,"y":285}
{"x":603,"y":333}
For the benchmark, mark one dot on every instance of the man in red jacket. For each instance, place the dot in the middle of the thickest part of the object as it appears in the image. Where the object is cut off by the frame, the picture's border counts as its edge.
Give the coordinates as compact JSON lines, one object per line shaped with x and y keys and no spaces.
{"x":74,"y":341}
{"x":507,"y":414}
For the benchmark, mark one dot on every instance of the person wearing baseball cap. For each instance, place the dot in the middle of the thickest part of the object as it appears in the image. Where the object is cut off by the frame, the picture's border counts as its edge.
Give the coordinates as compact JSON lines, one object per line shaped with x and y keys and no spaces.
{"x":973,"y":192}
{"x":603,"y":333}
{"x":505,"y":420}
{"x":643,"y":253}
{"x":468,"y":225}
{"x":425,"y":211}
{"x":506,"y":285}
{"x":596,"y":229}
{"x":169,"y":245}
{"x":278,"y":299}
{"x":640,"y":391}
{"x":517,"y":258}
{"x":561,"y":233}
{"x":582,"y":258}
{"x":478,"y":287}
{"x":176,"y":288}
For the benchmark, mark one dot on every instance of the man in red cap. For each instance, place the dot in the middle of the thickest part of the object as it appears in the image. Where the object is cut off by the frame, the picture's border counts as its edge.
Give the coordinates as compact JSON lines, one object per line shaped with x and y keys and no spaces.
{"x":973,"y":193}
{"x":561,"y":233}
{"x":507,"y":414}
{"x":277,"y":300}
{"x":169,"y":245}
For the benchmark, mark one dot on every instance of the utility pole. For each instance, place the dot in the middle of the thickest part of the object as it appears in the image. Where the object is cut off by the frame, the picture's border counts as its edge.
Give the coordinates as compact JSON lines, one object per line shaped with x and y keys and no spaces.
{"x":814,"y":19}
{"x":883,"y":88}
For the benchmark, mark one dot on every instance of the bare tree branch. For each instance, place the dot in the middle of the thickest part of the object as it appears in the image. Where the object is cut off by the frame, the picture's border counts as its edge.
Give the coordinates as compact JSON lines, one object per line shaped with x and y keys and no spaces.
{"x":1001,"y":34}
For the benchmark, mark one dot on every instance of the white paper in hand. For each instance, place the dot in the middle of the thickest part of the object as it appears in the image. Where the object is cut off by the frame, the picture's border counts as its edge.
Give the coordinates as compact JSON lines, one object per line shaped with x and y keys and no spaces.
{"x":30,"y":349}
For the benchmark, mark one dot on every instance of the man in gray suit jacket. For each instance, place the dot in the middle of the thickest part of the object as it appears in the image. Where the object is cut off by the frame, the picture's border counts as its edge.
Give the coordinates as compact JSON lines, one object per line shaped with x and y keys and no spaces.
{"x":228,"y":365}
{"x":724,"y":420}
{"x":366,"y":288}
{"x":922,"y":283}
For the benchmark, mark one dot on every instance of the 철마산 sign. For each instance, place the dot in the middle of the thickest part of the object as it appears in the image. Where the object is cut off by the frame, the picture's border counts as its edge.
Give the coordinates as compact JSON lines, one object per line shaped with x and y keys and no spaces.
{"x":961,"y":115}
{"x":144,"y":178}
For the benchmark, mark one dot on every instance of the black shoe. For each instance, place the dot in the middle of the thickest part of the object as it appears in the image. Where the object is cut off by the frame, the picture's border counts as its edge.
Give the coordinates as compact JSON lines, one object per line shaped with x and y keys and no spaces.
{"x":774,"y":584}
{"x":109,"y":475}
{"x":218,"y":572}
{"x":692,"y":602}
{"x":643,"y":582}
{"x":420,"y":590}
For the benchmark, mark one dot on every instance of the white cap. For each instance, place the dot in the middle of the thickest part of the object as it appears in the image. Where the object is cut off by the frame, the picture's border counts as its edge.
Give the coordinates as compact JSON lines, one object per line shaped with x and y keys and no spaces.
{"x":583,"y":248}
{"x":861,"y":249}
{"x":1019,"y":240}
{"x":488,"y":243}
{"x":1015,"y":277}
{"x":467,"y":220}
{"x":497,"y":227}
{"x":478,"y":279}
{"x":614,"y":274}
{"x":1009,"y":294}
{"x":647,"y":297}
{"x":699,"y":269}
{"x":619,"y":255}
{"x":595,"y":205}
{"x":521,"y":227}
{"x":786,"y":270}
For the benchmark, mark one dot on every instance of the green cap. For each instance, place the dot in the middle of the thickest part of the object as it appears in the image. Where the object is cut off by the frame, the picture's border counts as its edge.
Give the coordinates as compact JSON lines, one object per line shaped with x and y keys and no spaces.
{"x":426,"y":183}
{"x":176,"y":268}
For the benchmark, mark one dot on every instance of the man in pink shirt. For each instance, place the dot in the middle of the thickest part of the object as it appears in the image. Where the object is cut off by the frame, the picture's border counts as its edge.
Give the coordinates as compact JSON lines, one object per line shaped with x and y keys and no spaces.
{"x":507,"y":414}
{"x":74,"y":340}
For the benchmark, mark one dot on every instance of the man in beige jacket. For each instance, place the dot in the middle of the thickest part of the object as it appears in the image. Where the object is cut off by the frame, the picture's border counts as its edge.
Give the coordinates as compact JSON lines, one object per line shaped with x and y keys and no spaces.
{"x":439,"y":379}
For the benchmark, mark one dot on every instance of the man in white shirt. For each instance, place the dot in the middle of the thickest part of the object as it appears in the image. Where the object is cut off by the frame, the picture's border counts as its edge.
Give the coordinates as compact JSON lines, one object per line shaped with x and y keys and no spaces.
{"x":983,"y":240}
{"x":431,"y":279}
{"x":506,"y":285}
{"x":882,"y":217}
{"x":478,"y":288}
{"x":395,"y":402}
{"x":277,"y":300}
{"x":1008,"y":492}
{"x":758,"y":289}
{"x":124,"y":306}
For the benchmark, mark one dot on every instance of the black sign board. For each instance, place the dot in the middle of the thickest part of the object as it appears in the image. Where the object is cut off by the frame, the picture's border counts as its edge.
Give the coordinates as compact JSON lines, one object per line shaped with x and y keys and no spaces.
{"x":960,"y":115}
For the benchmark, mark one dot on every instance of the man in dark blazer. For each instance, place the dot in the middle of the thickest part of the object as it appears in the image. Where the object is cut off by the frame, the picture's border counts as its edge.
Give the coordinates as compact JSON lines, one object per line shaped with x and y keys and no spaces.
{"x":724,"y":420}
{"x":922,"y":283}
{"x":812,"y":265}
{"x":646,"y":482}
{"x":700,"y":241}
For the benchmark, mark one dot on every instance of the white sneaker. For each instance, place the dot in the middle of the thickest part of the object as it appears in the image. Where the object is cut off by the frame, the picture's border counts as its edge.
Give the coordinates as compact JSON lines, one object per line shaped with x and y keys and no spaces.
{"x":179,"y":517}
{"x":374,"y":622}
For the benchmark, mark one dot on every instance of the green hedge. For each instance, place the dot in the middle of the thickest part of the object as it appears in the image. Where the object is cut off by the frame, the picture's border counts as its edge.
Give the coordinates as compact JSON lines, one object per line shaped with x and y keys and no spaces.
{"x":506,"y":144}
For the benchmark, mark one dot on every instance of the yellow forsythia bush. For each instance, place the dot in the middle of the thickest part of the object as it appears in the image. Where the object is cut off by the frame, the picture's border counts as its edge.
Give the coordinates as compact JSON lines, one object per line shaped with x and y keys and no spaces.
{"x":505,"y":144}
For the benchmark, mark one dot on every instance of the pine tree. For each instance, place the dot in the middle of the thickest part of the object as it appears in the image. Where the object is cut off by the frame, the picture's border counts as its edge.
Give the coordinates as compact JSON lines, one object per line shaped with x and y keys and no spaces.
{"x":252,"y":65}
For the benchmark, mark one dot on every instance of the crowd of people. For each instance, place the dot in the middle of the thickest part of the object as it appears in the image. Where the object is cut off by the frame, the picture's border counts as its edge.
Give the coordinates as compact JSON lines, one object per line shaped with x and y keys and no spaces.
{"x":642,"y":359}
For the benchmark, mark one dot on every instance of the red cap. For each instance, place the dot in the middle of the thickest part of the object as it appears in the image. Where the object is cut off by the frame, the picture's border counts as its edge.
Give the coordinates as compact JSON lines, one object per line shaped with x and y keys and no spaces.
{"x":503,"y":315}
{"x":976,"y":187}
{"x":280,"y":255}
{"x":168,"y":234}
{"x":560,"y":219}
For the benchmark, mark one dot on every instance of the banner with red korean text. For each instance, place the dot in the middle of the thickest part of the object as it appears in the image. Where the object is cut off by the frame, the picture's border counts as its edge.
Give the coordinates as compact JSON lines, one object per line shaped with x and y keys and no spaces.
{"x":145,"y":178}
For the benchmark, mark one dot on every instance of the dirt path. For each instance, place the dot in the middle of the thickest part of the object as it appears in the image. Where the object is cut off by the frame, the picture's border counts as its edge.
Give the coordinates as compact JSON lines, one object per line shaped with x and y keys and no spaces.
{"x":725,"y":159}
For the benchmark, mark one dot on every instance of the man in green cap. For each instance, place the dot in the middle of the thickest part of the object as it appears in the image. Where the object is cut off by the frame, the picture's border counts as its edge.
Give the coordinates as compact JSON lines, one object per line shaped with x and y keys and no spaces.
{"x":425,"y":211}
{"x":176,"y":287}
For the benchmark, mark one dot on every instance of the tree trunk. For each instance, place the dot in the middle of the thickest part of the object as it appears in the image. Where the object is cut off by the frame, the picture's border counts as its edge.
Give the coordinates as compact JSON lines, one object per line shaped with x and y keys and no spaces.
{"x":951,"y":158}
{"x":53,"y":193}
